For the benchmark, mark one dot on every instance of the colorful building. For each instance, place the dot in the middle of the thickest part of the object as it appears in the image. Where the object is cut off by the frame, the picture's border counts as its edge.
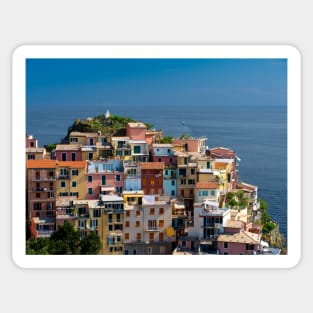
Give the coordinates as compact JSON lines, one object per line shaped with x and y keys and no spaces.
{"x":152,"y":177}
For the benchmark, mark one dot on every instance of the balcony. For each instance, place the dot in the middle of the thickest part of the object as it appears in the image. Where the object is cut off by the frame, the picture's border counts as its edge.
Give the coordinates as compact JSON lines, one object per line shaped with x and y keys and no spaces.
{"x":43,"y":189}
{"x":152,"y":229}
{"x":44,"y":233}
{"x":64,"y":177}
{"x":43,"y":178}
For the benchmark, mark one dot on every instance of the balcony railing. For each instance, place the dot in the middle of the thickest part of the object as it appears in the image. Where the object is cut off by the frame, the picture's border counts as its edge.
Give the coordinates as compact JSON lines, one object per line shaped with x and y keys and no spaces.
{"x":44,"y":233}
{"x":152,"y":229}
{"x":43,"y":178}
{"x":43,"y":189}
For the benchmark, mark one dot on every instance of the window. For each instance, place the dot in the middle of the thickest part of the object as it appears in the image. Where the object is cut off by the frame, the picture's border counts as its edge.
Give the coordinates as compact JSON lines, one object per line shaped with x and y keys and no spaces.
{"x":118,"y":177}
{"x":137,"y":223}
{"x":103,"y":180}
{"x":110,"y":227}
{"x":126,"y":237}
{"x":63,"y":156}
{"x":63,"y":172}
{"x":152,"y":211}
{"x":208,"y":165}
{"x":137,"y":213}
{"x":81,"y":211}
{"x":127,"y":224}
{"x":74,"y":172}
{"x":152,"y":224}
{"x":73,"y":139}
{"x":173,"y":192}
{"x":37,"y":206}
{"x":225,"y":245}
{"x":110,"y":218}
{"x":161,"y":223}
{"x":96,"y":213}
{"x":144,"y":181}
{"x":183,"y":181}
{"x":250,"y":247}
{"x":37,"y":194}
{"x":137,"y":149}
{"x":74,"y":194}
{"x":31,"y":157}
{"x":212,"y":192}
{"x":74,"y":184}
{"x":81,"y":223}
{"x":161,"y":237}
{"x":161,"y":210}
{"x":63,"y":184}
{"x":118,"y":217}
{"x":73,"y":156}
{"x":93,"y":224}
{"x":89,"y":179}
{"x":225,"y":253}
{"x":152,"y":181}
{"x":90,"y":191}
{"x":50,"y":195}
{"x":32,"y":144}
{"x":138,"y":236}
{"x":173,"y":182}
{"x":203,"y":193}
{"x":90,"y":156}
{"x":159,"y":160}
{"x":118,"y":227}
{"x":91,"y":141}
{"x":151,"y":236}
{"x":128,"y":213}
{"x":192,"y":171}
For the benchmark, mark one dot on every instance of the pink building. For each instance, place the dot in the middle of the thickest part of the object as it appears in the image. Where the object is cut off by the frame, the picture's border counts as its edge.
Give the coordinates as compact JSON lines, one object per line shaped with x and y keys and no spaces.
{"x":190,"y":144}
{"x":104,"y":178}
{"x":136,"y":131}
{"x":68,"y":152}
{"x":31,"y":142}
{"x":164,"y":153}
{"x":238,"y":243}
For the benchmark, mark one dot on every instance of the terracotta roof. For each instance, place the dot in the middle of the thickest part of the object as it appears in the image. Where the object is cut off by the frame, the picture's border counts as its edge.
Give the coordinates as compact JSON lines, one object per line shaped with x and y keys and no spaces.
{"x":67,"y":147}
{"x":137,"y":125}
{"x":152,"y":165}
{"x":73,"y":164}
{"x":234,"y":224}
{"x":222,"y":152}
{"x":206,"y":185}
{"x":41,"y":163}
{"x":241,"y":237}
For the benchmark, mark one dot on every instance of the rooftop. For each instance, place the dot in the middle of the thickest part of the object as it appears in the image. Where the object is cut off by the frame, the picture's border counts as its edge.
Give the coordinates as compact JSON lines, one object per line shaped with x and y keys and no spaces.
{"x":72,"y":164}
{"x":137,"y":125}
{"x":41,"y":163}
{"x":241,"y":237}
{"x":68,"y":147}
{"x":81,"y":134}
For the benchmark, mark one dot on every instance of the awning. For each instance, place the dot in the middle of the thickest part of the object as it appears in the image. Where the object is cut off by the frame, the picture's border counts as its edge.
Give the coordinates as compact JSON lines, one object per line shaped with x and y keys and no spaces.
{"x":170,"y":232}
{"x":107,"y":188}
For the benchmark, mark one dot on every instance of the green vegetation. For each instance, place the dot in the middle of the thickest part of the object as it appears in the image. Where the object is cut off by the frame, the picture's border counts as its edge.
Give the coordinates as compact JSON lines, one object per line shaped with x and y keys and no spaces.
{"x":65,"y":240}
{"x":50,"y":147}
{"x":184,"y":136}
{"x":166,"y":139}
{"x":236,"y":200}
{"x":115,"y":125}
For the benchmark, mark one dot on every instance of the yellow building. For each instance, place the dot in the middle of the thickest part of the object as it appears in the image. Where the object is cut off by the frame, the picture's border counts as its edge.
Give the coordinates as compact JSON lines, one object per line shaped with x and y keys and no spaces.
{"x":71,"y":179}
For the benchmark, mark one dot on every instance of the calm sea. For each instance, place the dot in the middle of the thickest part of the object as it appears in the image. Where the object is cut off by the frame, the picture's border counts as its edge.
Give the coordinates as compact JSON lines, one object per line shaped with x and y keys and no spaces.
{"x":257,"y":134}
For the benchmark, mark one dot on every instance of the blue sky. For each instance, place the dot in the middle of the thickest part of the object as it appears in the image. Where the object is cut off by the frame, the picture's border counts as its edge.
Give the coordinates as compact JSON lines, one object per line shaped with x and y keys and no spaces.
{"x":156,"y":81}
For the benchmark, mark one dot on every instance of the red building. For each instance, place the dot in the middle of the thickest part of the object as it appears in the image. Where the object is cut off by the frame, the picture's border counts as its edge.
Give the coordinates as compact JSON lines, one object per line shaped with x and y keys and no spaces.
{"x":152,"y":177}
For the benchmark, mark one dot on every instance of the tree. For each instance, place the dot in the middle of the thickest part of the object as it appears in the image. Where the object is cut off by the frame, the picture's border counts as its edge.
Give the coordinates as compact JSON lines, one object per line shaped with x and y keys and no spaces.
{"x":65,"y":240}
{"x":166,"y":139}
{"x":91,"y":244}
{"x":242,"y":200}
{"x":37,"y":246}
